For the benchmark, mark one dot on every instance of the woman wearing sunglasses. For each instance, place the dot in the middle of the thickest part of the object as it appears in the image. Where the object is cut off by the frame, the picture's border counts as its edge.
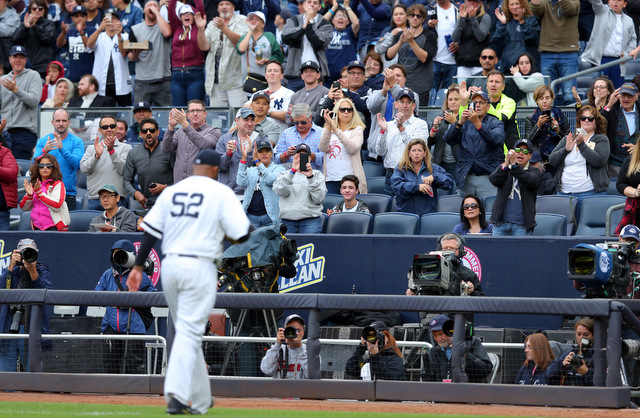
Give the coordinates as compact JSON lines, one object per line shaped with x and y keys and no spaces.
{"x":341,"y":141}
{"x":37,"y":34}
{"x":581,"y":158}
{"x":472,"y":217}
{"x":45,"y":196}
{"x":416,"y":178}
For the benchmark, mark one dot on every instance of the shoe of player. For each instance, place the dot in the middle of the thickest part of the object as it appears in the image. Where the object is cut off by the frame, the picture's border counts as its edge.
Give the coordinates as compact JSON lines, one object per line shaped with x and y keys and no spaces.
{"x":176,"y":407}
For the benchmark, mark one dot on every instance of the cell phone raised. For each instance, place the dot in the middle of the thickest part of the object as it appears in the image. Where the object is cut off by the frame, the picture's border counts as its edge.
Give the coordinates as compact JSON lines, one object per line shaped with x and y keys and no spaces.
{"x":546,"y":112}
{"x":304,"y":159}
{"x":336,"y":84}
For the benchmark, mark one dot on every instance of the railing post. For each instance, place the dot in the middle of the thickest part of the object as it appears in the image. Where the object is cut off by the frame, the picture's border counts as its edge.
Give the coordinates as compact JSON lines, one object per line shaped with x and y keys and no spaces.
{"x":313,"y":344}
{"x":35,"y":338}
{"x":458,"y":363}
{"x":599,"y":356}
{"x":614,"y":346}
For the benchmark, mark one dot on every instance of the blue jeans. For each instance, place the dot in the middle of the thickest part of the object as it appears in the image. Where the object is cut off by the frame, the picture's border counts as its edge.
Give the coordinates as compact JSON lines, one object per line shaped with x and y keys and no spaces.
{"x":442,"y":75}
{"x":72,"y":203}
{"x":507,"y":228}
{"x":9,"y":351}
{"x":581,"y":196}
{"x":23,"y":142}
{"x":387,"y":183}
{"x":333,"y":187}
{"x":304,"y":226}
{"x":4,"y":220}
{"x":612,"y":72}
{"x":557,"y":65}
{"x":295,"y":84}
{"x":187,"y":85}
{"x":259,"y":220}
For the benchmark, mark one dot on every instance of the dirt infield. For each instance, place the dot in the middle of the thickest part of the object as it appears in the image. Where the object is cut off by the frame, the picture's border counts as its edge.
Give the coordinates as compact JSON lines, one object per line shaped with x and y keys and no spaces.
{"x":347,"y":406}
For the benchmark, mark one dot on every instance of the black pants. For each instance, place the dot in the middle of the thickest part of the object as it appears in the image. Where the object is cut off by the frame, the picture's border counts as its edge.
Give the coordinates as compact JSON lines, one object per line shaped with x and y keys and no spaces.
{"x":113,"y":355}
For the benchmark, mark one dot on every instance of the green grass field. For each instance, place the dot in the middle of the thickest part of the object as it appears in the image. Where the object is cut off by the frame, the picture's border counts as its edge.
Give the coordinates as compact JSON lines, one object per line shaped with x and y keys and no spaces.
{"x":33,"y":409}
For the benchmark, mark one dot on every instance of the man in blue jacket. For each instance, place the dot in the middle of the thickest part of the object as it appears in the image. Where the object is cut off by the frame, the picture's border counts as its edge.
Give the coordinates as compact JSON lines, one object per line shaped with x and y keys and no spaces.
{"x":480,"y":137}
{"x":23,"y":273}
{"x":123,"y":320}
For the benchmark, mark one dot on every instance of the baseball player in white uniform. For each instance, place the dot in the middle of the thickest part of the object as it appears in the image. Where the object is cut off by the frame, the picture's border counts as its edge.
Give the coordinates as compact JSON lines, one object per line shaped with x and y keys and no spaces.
{"x":192,"y":218}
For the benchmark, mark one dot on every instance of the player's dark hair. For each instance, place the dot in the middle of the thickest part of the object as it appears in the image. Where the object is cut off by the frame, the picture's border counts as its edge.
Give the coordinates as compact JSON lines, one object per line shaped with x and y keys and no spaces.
{"x":107,"y":117}
{"x":149,"y":120}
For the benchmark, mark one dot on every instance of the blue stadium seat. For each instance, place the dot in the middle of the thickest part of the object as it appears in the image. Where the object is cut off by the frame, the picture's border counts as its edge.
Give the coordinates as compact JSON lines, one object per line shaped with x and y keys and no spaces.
{"x":560,"y":205}
{"x":613,"y":191}
{"x":593,"y":214}
{"x":550,"y":224}
{"x":585,"y":81}
{"x":82,"y":180}
{"x":449,"y":203}
{"x":375,"y":184}
{"x":330,"y":200}
{"x":349,"y":223}
{"x":488,"y":203}
{"x":24,"y":165}
{"x":632,"y":68}
{"x":395,"y":223}
{"x":377,"y":203}
{"x":373,"y":169}
{"x":438,"y":223}
{"x":438,"y":101}
{"x":25,"y":221}
{"x":81,"y":219}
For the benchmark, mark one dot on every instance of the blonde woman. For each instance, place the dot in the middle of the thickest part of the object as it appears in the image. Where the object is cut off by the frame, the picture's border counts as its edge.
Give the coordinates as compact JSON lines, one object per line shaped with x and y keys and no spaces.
{"x":629,"y":185}
{"x":416,"y":178}
{"x":341,"y":141}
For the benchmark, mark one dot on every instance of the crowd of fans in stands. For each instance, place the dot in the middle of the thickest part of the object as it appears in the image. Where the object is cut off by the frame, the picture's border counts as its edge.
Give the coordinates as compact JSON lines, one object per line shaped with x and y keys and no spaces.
{"x":321,"y":87}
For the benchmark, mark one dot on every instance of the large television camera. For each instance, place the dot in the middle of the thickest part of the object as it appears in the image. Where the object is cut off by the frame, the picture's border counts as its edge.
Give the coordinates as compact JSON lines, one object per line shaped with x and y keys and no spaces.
{"x":431,"y":273}
{"x":603,"y":269}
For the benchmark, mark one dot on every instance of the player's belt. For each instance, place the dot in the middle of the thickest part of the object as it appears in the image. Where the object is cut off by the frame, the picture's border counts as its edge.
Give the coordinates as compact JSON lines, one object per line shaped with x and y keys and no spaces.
{"x":199,"y":257}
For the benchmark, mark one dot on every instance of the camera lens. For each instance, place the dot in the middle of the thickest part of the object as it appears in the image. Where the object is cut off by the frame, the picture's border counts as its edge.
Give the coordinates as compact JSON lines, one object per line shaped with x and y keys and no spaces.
{"x":290,"y":333}
{"x":29,"y":255}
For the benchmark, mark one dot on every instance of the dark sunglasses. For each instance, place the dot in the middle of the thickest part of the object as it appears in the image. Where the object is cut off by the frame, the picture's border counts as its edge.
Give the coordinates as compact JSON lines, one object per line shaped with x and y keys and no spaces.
{"x":589,"y":118}
{"x":150,"y":130}
{"x":39,"y":8}
{"x":346,"y":109}
{"x":47,"y":165}
{"x":488,"y":57}
{"x":521,"y":150}
{"x":300,"y":122}
{"x":415,"y":15}
{"x":105,"y":127}
{"x":470,"y":206}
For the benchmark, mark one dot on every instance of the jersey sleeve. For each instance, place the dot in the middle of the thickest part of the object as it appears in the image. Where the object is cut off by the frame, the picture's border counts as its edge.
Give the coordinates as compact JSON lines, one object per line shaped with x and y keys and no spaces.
{"x":153,"y":222}
{"x":234,"y":221}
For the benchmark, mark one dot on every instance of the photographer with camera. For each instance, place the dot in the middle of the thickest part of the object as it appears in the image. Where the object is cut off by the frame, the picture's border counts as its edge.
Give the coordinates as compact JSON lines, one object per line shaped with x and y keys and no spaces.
{"x":437,"y":362}
{"x":462,"y":281}
{"x":377,"y":357}
{"x":23,"y":273}
{"x":124,"y":356}
{"x":287,"y":358}
{"x":575,"y":366}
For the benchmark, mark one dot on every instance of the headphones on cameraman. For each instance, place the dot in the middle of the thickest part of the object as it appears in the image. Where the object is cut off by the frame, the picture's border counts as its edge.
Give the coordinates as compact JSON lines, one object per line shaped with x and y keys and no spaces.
{"x":459,"y":239}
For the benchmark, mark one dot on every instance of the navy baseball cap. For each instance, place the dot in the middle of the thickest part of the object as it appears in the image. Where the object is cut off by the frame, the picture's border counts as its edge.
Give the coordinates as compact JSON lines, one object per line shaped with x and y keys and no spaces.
{"x":406,"y":92}
{"x":292,"y":317}
{"x":141,"y":105}
{"x":261,"y":95}
{"x":524,"y":141}
{"x":535,"y":157}
{"x":437,"y":323}
{"x":17,"y":50}
{"x":482,"y":94}
{"x":285,"y":14}
{"x":355,"y":63}
{"x":629,"y":88}
{"x":262,"y":143}
{"x":630,"y":231}
{"x":379,"y":325}
{"x":78,"y":9}
{"x":114,"y":12}
{"x":310,"y":64}
{"x":245,"y":112}
{"x":303,"y":147}
{"x":208,"y":157}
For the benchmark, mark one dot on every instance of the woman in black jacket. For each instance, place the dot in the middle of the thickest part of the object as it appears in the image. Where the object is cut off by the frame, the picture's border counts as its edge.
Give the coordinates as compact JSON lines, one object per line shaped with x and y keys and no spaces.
{"x":37,"y":34}
{"x":444,"y":154}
